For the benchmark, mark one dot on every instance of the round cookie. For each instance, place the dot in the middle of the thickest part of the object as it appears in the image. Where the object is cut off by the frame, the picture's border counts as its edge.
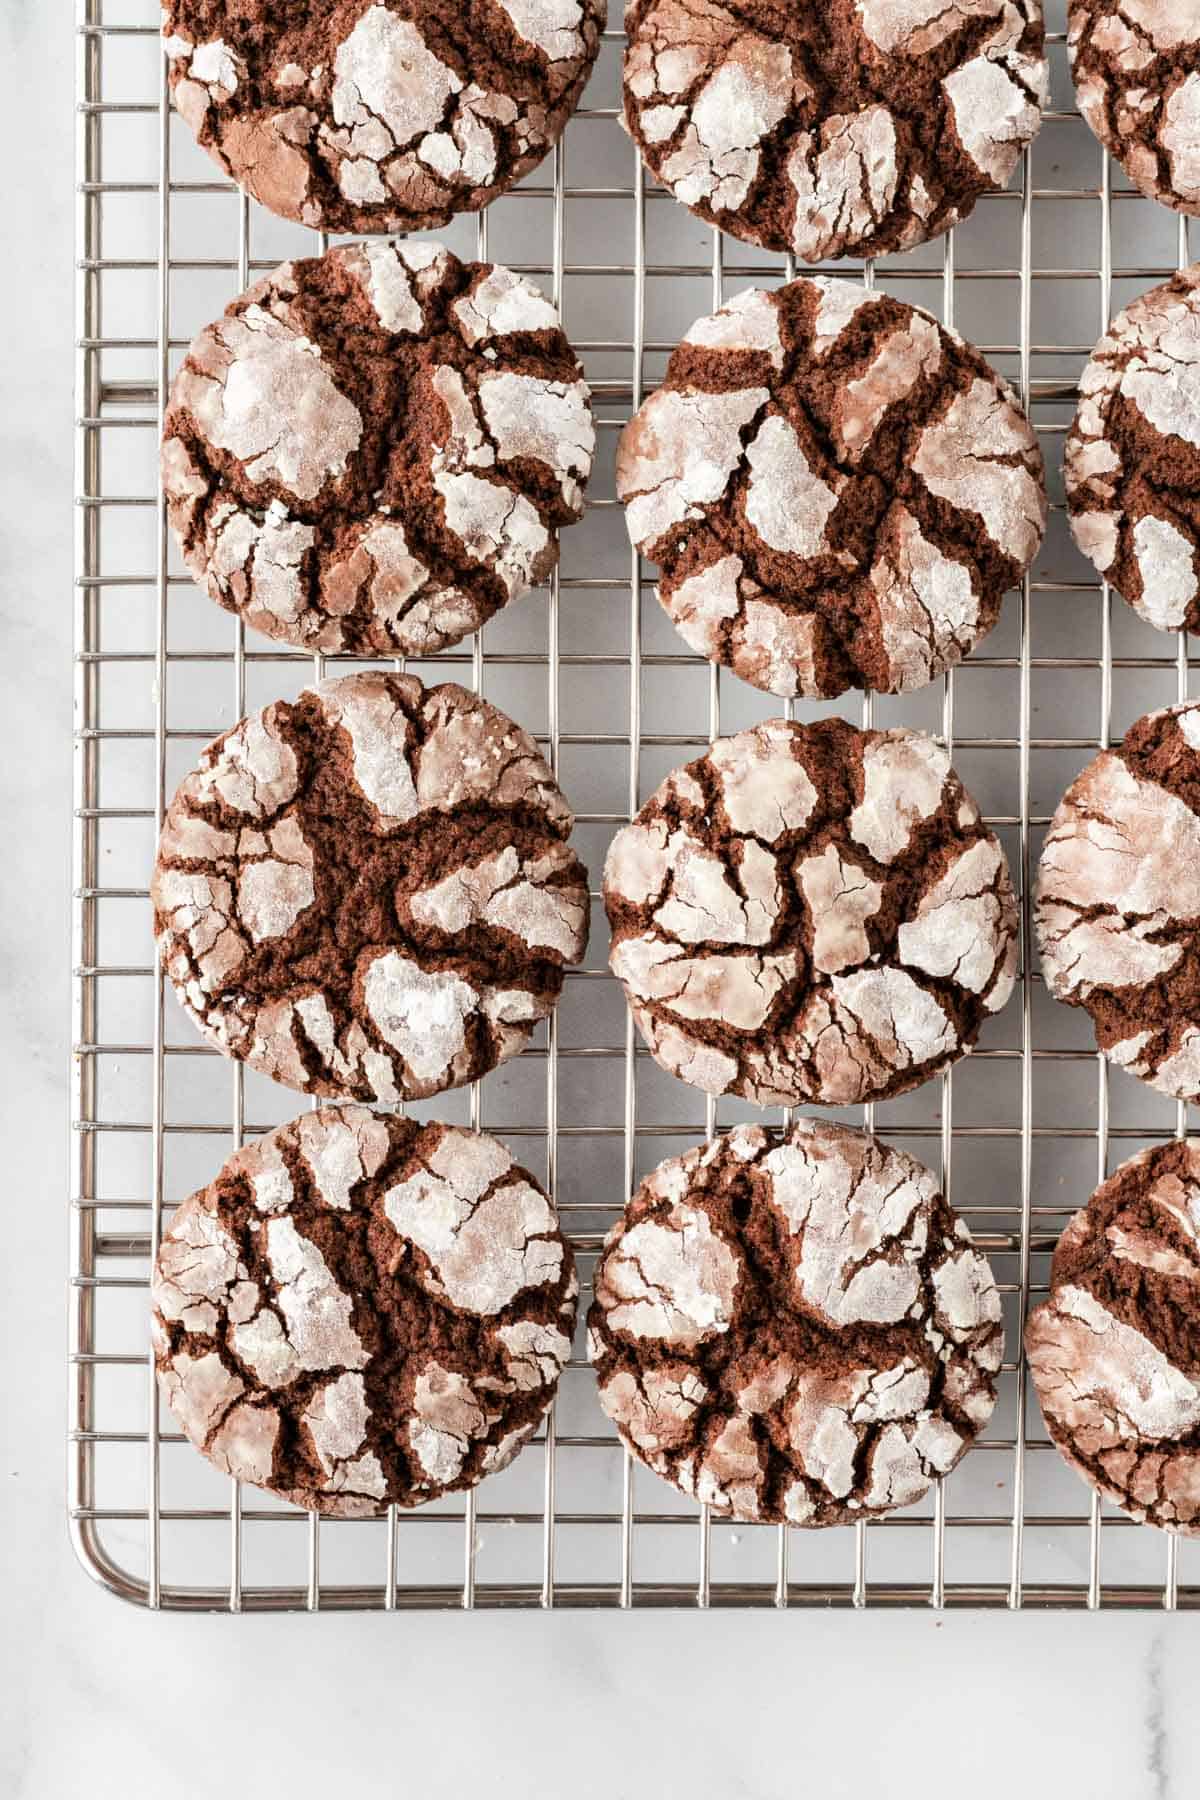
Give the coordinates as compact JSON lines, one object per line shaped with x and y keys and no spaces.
{"x":367,"y":893}
{"x":838,"y":491}
{"x":1115,"y":1351}
{"x":1136,"y":65}
{"x":852,"y":128}
{"x":1132,"y":460}
{"x":356,"y":115}
{"x":795,"y":1330}
{"x":811,"y":913}
{"x":373,"y":450}
{"x":363,"y":1312}
{"x":1117,"y":903}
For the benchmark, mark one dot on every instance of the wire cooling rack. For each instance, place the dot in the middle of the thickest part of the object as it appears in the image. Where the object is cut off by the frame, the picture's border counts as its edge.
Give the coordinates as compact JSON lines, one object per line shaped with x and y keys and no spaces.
{"x":1021,"y":1131}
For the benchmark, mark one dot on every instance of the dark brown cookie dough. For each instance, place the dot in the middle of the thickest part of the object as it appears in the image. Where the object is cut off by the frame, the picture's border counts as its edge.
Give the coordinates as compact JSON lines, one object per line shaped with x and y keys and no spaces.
{"x":848,"y":128}
{"x":1115,"y":1351}
{"x":797,"y":1331}
{"x":362,"y":1311}
{"x":356,"y":115}
{"x":373,"y":450}
{"x":811,"y":913}
{"x":1136,"y":65}
{"x":839,"y":491}
{"x":368,"y":893}
{"x":1133,"y":455}
{"x":1117,"y":905}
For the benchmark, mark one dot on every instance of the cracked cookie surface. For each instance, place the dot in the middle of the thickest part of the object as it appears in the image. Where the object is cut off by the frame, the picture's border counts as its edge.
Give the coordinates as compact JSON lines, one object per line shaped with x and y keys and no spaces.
{"x":363,"y":1311}
{"x":811,"y":913}
{"x":1117,"y":905}
{"x":373,"y":450}
{"x":838,"y":491}
{"x":367,"y":893}
{"x":853,"y":128}
{"x":1136,"y":65}
{"x":1132,"y":460}
{"x":795,"y":1330}
{"x":1115,"y":1351}
{"x":378,"y":115}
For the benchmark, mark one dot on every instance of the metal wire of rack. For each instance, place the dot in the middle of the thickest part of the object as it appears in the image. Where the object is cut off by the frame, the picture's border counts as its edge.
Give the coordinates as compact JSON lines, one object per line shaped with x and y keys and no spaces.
{"x":1021,"y":1131}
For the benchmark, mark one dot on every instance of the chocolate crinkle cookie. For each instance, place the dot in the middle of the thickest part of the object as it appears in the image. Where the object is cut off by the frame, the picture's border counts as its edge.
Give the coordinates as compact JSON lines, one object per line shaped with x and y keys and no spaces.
{"x":1115,"y":1351}
{"x":838,"y":491}
{"x":845,"y":128}
{"x":1117,"y":906}
{"x":1133,"y":455}
{"x":354,"y":116}
{"x":811,"y":913}
{"x":1136,"y":65}
{"x":362,"y":1312}
{"x":373,"y":450}
{"x":795,"y":1330}
{"x":367,"y":893}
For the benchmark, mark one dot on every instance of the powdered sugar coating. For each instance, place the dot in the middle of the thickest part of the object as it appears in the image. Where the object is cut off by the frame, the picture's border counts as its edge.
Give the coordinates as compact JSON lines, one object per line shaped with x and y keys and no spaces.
{"x":375,"y":116}
{"x":1114,"y":1352}
{"x":375,"y":450}
{"x":351,"y":1349}
{"x":837,"y":490}
{"x":865,"y":131}
{"x":484,"y":1242}
{"x":368,"y":893}
{"x":1136,"y":65}
{"x":1132,"y":459}
{"x":811,"y":913}
{"x":258,"y":389}
{"x":1117,"y":906}
{"x":795,"y":1329}
{"x":677,"y":455}
{"x":977,"y":457}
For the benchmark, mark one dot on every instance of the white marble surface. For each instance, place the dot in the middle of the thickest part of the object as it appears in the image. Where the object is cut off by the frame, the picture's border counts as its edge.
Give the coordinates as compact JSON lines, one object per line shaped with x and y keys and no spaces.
{"x":100,"y":1700}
